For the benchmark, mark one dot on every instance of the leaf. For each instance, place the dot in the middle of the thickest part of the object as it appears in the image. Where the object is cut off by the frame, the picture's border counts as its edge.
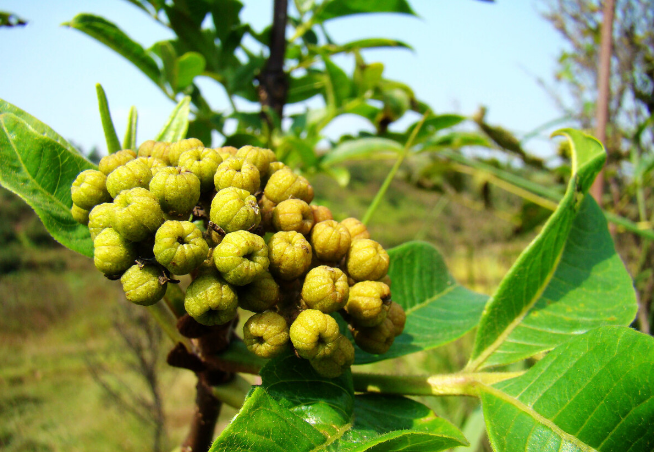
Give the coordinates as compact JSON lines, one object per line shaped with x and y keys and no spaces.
{"x":530,"y":275}
{"x":432,"y":125}
{"x":438,"y":309}
{"x":295,"y":409}
{"x":129,"y":142}
{"x":372,"y":43}
{"x":110,"y":135}
{"x":177,"y":124}
{"x":363,"y":148}
{"x":339,"y":84}
{"x":340,"y":8}
{"x":242,"y":139}
{"x":594,"y":392}
{"x":189,"y":65}
{"x":305,"y":87}
{"x":590,"y":288}
{"x":41,"y":170}
{"x":10,"y":20}
{"x":225,"y":16}
{"x":113,"y":37}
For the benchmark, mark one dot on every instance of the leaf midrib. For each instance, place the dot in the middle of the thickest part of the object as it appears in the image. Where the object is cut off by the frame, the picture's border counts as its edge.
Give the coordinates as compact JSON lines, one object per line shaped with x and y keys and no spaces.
{"x":536,"y":416}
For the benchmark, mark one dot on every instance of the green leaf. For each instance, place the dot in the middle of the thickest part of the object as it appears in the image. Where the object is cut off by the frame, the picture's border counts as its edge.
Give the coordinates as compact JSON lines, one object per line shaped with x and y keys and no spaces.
{"x":166,"y":51}
{"x":110,"y":135}
{"x":338,"y":84}
{"x":10,"y":20}
{"x":305,"y":87}
{"x":242,"y":139}
{"x":177,"y":124}
{"x":189,"y":65}
{"x":129,"y":142}
{"x":372,"y":43}
{"x":41,"y":170}
{"x":594,"y":392}
{"x":225,"y":16}
{"x":295,"y":409}
{"x":433,"y":125}
{"x":438,"y":309}
{"x":113,"y":37}
{"x":529,"y":277}
{"x":590,"y":288}
{"x":341,"y":8}
{"x":363,"y":149}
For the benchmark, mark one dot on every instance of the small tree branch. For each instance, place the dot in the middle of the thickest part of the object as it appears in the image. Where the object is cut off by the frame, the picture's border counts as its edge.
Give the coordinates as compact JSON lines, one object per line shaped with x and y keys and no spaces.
{"x":207,"y":409}
{"x":273,"y":82}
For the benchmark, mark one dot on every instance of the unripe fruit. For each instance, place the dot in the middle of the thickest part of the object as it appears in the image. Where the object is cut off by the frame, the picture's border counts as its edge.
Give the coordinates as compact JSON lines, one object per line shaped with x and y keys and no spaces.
{"x":231,"y":150}
{"x":289,"y":254}
{"x":274,"y":167}
{"x":266,"y":334}
{"x":145,"y":149}
{"x":236,"y":172}
{"x":177,"y":190}
{"x":137,"y":214}
{"x":293,"y":215}
{"x":357,"y":229}
{"x":367,"y":260}
{"x":285,"y":184}
{"x":330,"y":240}
{"x":325,"y":289}
{"x":143,"y":286}
{"x":112,"y":161}
{"x":203,"y":162}
{"x":368,"y":303}
{"x":89,"y":189}
{"x":397,"y":316}
{"x":377,"y":339}
{"x":101,"y":218}
{"x":321,"y":213}
{"x":266,"y":208}
{"x":112,"y":253}
{"x":260,"y":295}
{"x":177,"y":149}
{"x":134,"y":173}
{"x":153,"y":163}
{"x":338,"y":362}
{"x":314,"y":334}
{"x":241,"y":257}
{"x":160,"y":151}
{"x":179,"y":246}
{"x":210,"y":300}
{"x":256,"y":156}
{"x":234,"y":209}
{"x":80,"y":215}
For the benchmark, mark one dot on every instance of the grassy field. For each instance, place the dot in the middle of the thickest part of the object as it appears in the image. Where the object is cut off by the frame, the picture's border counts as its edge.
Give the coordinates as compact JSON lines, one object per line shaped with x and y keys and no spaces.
{"x":59,"y":314}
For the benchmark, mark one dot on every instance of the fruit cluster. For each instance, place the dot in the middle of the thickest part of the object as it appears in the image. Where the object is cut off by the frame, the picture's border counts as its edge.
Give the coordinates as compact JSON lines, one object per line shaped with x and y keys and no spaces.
{"x":241,"y":224}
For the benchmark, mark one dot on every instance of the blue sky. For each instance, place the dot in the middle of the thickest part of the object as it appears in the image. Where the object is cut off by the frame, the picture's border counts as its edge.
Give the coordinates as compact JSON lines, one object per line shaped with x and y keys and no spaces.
{"x":466,"y":53}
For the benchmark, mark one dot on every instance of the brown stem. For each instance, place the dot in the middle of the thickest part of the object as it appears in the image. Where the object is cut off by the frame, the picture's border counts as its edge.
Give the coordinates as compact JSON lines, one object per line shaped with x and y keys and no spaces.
{"x":273,"y":82}
{"x":207,"y":409}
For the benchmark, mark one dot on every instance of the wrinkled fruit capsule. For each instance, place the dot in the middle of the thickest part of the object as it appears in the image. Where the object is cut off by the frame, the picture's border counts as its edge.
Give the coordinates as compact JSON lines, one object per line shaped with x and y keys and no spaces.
{"x":260,"y":295}
{"x":241,"y":257}
{"x":177,"y":190}
{"x":285,"y":184}
{"x":210,"y":300}
{"x":235,"y":209}
{"x":134,"y":173}
{"x":101,"y":218}
{"x":112,"y":253}
{"x":289,"y":254}
{"x":137,"y":214}
{"x":266,"y":334}
{"x":236,"y":172}
{"x":338,"y":362}
{"x":203,"y":162}
{"x":325,"y":289}
{"x":330,"y":240}
{"x":314,"y":334}
{"x":377,"y":339}
{"x":175,"y":150}
{"x":142,"y":285}
{"x":112,"y":161}
{"x":368,"y":303}
{"x":367,"y":260}
{"x":293,"y":215}
{"x":179,"y":246}
{"x":357,"y":229}
{"x":89,"y":189}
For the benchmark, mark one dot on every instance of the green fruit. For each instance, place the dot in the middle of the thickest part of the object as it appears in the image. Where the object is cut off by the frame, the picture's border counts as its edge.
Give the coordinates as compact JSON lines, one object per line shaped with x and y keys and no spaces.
{"x":236,"y":172}
{"x":177,"y":190}
{"x":112,"y":253}
{"x":266,"y":334}
{"x":321,"y":213}
{"x":289,"y":254}
{"x":234,"y":209}
{"x":145,"y":149}
{"x":325,"y":289}
{"x":357,"y":229}
{"x":368,"y":303}
{"x":132,"y":174}
{"x":80,"y":215}
{"x":137,"y":214}
{"x":367,"y":260}
{"x":266,"y":208}
{"x":377,"y":339}
{"x":397,"y":316}
{"x":101,"y":218}
{"x":210,"y":300}
{"x":113,"y":161}
{"x":314,"y":334}
{"x":330,"y":240}
{"x":160,"y":151}
{"x":260,"y":295}
{"x":153,"y":163}
{"x":338,"y":362}
{"x":293,"y":215}
{"x":241,"y":257}
{"x":256,"y":156}
{"x":177,"y":149}
{"x":179,"y":246}
{"x":285,"y":184}
{"x":143,"y":285}
{"x":89,"y":189}
{"x":203,"y":162}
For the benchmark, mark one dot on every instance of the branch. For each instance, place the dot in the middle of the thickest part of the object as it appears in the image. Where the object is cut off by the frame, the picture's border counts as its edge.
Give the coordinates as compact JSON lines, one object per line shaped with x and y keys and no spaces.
{"x":273,"y":81}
